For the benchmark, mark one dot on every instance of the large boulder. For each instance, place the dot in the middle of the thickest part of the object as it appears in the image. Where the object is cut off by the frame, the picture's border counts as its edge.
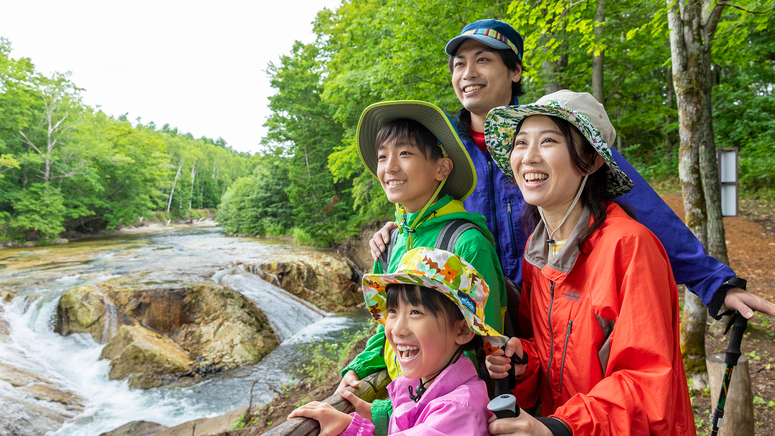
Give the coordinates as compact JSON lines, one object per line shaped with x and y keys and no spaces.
{"x":141,"y":355}
{"x":324,"y":279}
{"x":152,"y":334}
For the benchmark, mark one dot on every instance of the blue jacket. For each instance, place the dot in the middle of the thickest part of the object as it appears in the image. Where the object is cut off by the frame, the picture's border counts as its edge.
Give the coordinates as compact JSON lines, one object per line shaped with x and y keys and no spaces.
{"x":501,"y":203}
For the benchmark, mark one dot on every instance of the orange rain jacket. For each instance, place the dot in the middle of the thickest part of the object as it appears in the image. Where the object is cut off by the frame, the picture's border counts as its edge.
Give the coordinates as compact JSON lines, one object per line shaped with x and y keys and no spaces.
{"x":604,"y":327}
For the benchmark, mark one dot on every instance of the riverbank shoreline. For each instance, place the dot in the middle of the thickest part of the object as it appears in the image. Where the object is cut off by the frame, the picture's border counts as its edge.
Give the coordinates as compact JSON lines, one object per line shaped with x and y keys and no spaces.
{"x":147,"y":227}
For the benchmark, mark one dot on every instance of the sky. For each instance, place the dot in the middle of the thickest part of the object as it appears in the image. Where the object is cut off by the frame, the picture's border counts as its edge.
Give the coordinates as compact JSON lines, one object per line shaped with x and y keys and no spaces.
{"x":199,"y":66}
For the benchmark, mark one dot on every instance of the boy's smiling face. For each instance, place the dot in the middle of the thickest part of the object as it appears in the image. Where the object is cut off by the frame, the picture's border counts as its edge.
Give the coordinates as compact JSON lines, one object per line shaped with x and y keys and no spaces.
{"x":407,"y":175}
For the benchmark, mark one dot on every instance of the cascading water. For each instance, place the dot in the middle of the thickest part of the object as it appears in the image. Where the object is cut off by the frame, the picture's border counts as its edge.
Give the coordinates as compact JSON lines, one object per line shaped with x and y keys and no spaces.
{"x":71,"y":364}
{"x":275,"y":301}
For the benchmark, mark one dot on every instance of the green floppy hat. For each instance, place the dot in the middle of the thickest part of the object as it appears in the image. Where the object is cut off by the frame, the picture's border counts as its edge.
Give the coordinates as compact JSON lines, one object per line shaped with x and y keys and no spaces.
{"x":460,"y":182}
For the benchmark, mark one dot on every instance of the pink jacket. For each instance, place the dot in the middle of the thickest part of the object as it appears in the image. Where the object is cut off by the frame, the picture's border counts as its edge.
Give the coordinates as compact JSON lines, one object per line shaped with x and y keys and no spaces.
{"x":454,"y":404}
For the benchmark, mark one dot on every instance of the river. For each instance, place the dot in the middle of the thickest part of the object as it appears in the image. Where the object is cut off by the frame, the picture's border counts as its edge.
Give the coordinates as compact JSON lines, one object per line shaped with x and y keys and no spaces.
{"x":39,"y":276}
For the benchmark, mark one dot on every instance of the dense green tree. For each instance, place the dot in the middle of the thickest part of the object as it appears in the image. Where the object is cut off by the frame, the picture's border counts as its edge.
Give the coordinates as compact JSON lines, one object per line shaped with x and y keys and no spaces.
{"x":302,"y":127}
{"x":64,"y":166}
{"x":258,"y":204}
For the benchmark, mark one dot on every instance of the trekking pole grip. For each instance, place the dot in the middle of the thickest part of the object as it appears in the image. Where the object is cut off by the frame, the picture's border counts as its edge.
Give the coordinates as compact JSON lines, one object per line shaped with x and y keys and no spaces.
{"x":504,"y":405}
{"x":733,"y":353}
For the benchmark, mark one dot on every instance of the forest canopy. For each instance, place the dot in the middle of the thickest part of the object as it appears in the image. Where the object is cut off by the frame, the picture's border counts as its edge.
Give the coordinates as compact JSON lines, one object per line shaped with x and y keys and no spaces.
{"x":372,"y":50}
{"x":66,"y":167}
{"x":95,"y":171}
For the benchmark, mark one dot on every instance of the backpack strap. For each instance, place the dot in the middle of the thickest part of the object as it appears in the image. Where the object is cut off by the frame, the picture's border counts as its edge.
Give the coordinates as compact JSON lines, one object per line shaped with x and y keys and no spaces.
{"x":451,"y":231}
{"x":384,"y":258}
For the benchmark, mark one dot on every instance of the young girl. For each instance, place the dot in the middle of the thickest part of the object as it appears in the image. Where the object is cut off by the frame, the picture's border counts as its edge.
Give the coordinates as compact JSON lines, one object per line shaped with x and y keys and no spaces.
{"x":598,"y":297}
{"x":432,"y":309}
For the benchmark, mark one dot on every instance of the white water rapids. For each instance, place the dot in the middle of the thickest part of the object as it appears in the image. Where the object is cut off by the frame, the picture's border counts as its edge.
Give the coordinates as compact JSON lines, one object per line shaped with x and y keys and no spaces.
{"x":73,"y":363}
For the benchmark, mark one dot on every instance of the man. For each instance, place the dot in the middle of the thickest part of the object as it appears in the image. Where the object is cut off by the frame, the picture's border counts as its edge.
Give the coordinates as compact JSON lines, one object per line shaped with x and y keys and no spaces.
{"x":486,"y":65}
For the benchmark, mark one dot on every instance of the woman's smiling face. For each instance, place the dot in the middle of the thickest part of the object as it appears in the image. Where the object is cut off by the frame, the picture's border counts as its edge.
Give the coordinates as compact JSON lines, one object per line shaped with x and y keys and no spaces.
{"x":542,"y":164}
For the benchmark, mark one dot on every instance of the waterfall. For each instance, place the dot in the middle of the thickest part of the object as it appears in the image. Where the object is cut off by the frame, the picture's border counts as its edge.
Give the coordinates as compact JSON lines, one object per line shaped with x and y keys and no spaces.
{"x":71,"y":364}
{"x":287,"y":314}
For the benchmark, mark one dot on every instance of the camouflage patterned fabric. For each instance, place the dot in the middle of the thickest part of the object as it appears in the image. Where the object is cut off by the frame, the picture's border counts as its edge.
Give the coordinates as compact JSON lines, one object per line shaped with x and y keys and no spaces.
{"x":577,"y":108}
{"x":444,"y":272}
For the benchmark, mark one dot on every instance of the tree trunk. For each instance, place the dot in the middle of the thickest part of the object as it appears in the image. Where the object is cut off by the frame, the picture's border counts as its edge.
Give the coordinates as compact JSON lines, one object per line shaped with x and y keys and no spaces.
{"x":692,"y":24}
{"x":738,"y":411}
{"x":191,"y":194}
{"x":172,"y":191}
{"x":598,"y":57}
{"x":309,"y":175}
{"x":552,"y":69}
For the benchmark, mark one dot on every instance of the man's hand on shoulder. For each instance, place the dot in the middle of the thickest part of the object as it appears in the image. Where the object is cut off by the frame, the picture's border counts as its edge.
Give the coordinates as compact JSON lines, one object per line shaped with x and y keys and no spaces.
{"x":379,"y":241}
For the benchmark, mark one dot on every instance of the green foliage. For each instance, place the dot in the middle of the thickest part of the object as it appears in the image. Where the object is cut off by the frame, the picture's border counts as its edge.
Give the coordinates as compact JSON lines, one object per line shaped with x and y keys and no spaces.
{"x":743,"y":108}
{"x":301,"y":237}
{"x":328,"y":357}
{"x":239,"y":423}
{"x":64,"y":166}
{"x":39,"y":212}
{"x":302,"y":127}
{"x":258,"y":204}
{"x":310,"y":180}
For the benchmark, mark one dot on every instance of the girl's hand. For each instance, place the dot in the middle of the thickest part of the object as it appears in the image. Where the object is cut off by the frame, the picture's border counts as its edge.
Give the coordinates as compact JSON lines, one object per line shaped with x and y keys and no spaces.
{"x":362,"y":408}
{"x":523,"y":425}
{"x":332,"y":422}
{"x":498,"y":363}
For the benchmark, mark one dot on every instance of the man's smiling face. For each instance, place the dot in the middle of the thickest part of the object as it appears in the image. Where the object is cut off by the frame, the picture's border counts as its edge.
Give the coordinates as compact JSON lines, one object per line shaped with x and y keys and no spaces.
{"x":480,"y":78}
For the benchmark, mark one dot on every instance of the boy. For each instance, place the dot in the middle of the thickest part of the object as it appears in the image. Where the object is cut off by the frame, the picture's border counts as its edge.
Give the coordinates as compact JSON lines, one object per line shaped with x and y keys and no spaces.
{"x":412,"y":148}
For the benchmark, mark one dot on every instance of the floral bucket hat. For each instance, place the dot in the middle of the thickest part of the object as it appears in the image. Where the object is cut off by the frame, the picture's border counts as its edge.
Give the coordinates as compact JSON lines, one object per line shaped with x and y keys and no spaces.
{"x":444,"y":272}
{"x":581,"y":109}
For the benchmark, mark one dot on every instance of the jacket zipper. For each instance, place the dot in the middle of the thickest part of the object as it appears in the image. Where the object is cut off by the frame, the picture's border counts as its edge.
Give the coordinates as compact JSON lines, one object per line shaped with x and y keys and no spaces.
{"x":564,"y":349}
{"x":511,"y":231}
{"x":492,"y":208}
{"x":551,"y":336}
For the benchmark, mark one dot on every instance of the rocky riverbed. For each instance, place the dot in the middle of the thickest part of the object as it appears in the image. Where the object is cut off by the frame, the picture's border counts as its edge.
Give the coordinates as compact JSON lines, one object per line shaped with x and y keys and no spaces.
{"x":162,"y":328}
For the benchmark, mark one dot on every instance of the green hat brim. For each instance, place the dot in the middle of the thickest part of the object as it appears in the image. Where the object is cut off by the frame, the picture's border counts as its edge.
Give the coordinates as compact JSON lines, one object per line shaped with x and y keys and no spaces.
{"x":461,"y":180}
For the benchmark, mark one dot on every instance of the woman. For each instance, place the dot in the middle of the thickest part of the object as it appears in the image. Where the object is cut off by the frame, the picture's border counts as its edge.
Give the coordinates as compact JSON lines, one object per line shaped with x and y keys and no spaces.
{"x":599,"y":301}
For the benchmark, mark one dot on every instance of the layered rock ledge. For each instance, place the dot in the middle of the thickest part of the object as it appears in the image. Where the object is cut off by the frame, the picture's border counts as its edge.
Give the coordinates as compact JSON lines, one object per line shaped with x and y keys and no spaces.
{"x":155,"y":336}
{"x":326,"y":280}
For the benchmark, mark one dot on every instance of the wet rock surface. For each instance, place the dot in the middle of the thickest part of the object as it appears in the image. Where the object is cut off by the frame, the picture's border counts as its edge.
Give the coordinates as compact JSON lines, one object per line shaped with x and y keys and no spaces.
{"x":158,"y":335}
{"x":136,"y":428}
{"x":324,"y":279}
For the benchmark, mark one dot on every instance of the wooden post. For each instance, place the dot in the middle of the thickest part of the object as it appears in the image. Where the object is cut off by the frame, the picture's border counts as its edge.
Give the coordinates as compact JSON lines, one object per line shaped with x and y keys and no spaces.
{"x":738,"y":411}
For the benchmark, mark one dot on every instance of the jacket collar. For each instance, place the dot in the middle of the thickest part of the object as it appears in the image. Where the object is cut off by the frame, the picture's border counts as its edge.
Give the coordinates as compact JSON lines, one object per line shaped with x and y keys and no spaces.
{"x":558,"y":268}
{"x":462,"y":121}
{"x":453,"y":376}
{"x":444,"y":206}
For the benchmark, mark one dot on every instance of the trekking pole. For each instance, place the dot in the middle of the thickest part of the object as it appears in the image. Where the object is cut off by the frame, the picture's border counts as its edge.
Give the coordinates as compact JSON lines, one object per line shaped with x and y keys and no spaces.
{"x":738,"y":325}
{"x":504,"y":405}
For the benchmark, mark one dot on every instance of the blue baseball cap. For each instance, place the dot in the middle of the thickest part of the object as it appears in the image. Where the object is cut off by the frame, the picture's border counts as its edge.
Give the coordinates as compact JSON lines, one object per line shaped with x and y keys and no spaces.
{"x":492,"y":33}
